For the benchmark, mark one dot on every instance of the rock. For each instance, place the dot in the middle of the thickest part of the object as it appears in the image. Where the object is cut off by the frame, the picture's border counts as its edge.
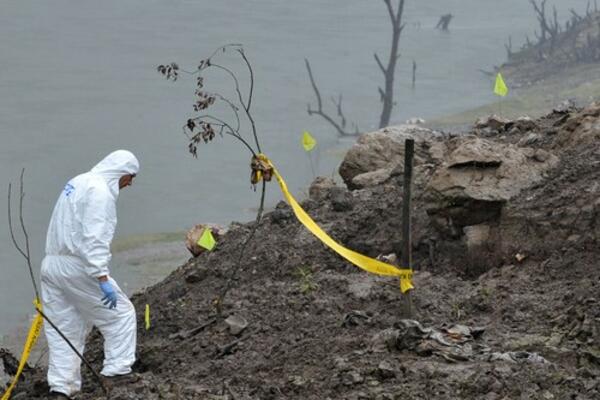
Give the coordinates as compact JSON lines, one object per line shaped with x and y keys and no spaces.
{"x":541,"y":155}
{"x":352,"y":378}
{"x":385,"y":370}
{"x":195,"y":390}
{"x":361,"y":287}
{"x":355,"y":318}
{"x":280,"y":216}
{"x":341,"y":364}
{"x":383,"y":149}
{"x":492,"y":122}
{"x":523,"y":124}
{"x":297,"y":380}
{"x":581,"y":128}
{"x":384,"y":340}
{"x":547,"y":395}
{"x":477,"y":178}
{"x":341,"y":199}
{"x":565,"y":106}
{"x":197,"y":275}
{"x":415,"y":121}
{"x":4,"y":377}
{"x":236,"y":324}
{"x":476,"y":236}
{"x":370,"y":179}
{"x":194,"y":234}
{"x":529,"y":139}
{"x":319,"y":189}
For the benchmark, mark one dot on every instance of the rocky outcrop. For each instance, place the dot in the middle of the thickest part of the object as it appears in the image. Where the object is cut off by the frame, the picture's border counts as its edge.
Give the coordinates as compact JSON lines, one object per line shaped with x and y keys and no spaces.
{"x":375,"y":155}
{"x":8,"y":367}
{"x":477,"y":177}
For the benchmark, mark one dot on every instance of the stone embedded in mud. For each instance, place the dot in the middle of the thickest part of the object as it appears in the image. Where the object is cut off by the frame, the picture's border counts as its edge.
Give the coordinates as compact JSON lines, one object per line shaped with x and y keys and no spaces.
{"x":341,"y":364}
{"x":493,"y":122}
{"x":196,"y":275}
{"x":341,"y":199}
{"x":385,"y":370}
{"x":237,"y":324}
{"x":352,"y":378}
{"x":320,"y":187}
{"x":8,"y":367}
{"x":194,"y":234}
{"x":4,"y":377}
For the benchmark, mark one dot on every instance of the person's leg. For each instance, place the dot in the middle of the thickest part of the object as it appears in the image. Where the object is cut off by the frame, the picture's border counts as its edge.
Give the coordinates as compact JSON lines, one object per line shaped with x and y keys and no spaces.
{"x":119,"y":329}
{"x":64,"y":375}
{"x":118,"y":326}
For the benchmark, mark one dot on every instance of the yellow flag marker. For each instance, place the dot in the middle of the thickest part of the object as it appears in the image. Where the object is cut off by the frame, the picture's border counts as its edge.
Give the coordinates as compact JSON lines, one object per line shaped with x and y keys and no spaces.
{"x":207,"y":240}
{"x":147,"y":316}
{"x":32,"y":337}
{"x":500,"y":88}
{"x":308,"y":142}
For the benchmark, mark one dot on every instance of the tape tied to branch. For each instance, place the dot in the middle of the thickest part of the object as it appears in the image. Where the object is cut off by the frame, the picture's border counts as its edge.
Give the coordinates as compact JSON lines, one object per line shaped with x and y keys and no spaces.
{"x":368,"y":264}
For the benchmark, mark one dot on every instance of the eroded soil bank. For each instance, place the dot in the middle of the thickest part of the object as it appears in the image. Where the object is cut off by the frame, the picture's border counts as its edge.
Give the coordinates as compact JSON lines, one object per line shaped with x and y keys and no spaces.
{"x":506,"y":232}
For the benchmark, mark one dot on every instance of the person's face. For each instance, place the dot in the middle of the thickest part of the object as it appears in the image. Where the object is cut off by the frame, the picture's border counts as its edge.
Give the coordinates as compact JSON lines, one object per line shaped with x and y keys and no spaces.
{"x":125,"y":180}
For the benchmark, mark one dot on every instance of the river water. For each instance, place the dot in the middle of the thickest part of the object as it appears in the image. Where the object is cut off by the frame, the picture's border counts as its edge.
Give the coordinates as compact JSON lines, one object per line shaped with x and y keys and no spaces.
{"x":79,"y":80}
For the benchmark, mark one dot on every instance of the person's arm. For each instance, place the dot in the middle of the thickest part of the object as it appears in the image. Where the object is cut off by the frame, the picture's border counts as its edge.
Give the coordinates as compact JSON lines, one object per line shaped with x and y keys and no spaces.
{"x":98,"y":221}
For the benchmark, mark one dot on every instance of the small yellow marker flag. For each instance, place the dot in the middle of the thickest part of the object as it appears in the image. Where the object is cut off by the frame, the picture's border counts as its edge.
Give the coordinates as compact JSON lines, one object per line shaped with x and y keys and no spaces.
{"x":308,"y":142}
{"x":207,"y":240}
{"x":500,"y":87}
{"x":147,"y":316}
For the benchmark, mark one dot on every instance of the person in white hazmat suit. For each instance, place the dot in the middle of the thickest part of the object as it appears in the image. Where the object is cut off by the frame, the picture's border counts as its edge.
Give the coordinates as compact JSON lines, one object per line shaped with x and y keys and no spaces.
{"x":77,"y":290}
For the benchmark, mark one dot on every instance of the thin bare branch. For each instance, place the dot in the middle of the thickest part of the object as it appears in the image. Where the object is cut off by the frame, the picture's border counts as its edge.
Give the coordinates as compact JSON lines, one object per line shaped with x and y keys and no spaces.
{"x":390,"y":9}
{"x":251,"y":90}
{"x":21,"y":219}
{"x":399,"y":13}
{"x":10,"y":226}
{"x":319,"y":111}
{"x":379,"y":63}
{"x":230,"y":131}
{"x":314,"y":85}
{"x":340,"y":112}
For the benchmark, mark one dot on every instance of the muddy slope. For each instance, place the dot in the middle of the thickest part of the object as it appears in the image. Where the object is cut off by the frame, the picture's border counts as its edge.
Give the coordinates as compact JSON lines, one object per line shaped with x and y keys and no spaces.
{"x":507,"y":292}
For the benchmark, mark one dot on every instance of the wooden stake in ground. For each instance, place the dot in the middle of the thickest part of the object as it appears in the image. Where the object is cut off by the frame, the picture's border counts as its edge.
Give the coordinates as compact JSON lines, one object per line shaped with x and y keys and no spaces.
{"x":409,"y":150}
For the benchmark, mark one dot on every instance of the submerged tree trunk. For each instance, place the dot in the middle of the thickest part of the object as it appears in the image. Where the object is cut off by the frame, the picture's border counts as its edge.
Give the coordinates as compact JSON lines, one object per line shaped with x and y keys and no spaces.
{"x":387,"y":94}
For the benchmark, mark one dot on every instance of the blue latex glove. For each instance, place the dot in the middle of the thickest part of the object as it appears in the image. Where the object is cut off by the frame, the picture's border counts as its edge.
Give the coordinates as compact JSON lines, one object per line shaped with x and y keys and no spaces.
{"x":110,"y":296}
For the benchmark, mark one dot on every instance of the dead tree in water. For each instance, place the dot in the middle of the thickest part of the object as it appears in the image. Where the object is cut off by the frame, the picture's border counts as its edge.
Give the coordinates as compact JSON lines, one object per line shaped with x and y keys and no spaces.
{"x":386,"y":93}
{"x":340,"y":127}
{"x":549,"y":28}
{"x":508,"y":47}
{"x":444,"y":22}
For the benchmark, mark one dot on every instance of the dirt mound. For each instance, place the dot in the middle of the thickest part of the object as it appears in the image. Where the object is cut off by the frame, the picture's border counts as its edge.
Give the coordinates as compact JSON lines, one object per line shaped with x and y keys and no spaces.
{"x":507,"y":306}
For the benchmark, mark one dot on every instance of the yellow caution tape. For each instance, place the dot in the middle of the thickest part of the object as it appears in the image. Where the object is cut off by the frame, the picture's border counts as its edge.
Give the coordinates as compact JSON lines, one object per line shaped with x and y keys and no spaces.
{"x":147,"y":316}
{"x":32,"y":337}
{"x":367,"y":263}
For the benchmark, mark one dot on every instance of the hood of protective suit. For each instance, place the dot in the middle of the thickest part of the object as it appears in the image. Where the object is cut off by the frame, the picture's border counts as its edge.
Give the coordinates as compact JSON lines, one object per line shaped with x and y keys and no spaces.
{"x":114,"y":166}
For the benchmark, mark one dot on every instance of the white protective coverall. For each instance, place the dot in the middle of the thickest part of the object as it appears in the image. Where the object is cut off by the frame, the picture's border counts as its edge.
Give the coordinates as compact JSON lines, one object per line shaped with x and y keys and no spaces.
{"x":77,"y":253}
